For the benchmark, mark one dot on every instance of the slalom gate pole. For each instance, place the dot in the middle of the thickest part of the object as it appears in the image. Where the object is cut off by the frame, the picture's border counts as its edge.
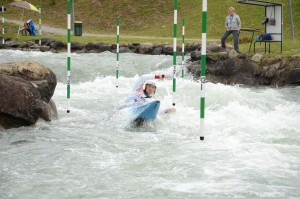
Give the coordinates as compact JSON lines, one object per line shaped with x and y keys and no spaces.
{"x":40,"y":23}
{"x":3,"y":22}
{"x":174,"y":49}
{"x":118,"y":47}
{"x":203,"y":68}
{"x":69,"y":56}
{"x":182,"y":54}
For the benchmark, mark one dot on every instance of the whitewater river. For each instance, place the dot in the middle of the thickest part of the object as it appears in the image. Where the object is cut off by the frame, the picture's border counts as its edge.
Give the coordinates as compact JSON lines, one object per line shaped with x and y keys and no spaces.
{"x":251,"y":147}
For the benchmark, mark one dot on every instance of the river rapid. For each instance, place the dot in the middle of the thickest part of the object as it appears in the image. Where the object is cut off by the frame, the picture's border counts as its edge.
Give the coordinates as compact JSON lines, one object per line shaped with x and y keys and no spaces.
{"x":251,"y":147}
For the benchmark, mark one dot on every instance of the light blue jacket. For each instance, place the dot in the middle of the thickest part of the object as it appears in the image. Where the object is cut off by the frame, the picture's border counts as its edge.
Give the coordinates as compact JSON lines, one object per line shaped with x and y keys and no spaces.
{"x":233,"y":22}
{"x":138,"y":97}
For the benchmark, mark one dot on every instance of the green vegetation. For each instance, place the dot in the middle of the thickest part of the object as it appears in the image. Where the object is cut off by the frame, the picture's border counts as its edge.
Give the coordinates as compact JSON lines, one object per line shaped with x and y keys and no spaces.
{"x":154,"y":20}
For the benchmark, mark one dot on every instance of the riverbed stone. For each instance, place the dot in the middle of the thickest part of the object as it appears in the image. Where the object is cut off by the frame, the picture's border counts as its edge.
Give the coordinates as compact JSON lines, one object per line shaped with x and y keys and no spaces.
{"x":20,"y":102}
{"x":34,"y":72}
{"x":145,"y":48}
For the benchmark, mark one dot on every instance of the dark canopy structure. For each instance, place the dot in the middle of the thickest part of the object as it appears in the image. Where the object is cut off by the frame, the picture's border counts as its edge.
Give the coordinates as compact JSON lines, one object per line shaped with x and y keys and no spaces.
{"x":258,"y":3}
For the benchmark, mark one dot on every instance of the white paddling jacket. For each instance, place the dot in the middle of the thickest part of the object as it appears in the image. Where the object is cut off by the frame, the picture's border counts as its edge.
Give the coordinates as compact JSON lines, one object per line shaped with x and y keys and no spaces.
{"x":138,"y":97}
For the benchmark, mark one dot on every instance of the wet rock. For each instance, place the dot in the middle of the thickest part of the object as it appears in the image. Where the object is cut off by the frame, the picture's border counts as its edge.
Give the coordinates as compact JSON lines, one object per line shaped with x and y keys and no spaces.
{"x":196,"y":55}
{"x":45,"y":48}
{"x":26,"y":89}
{"x":42,"y":77}
{"x":20,"y":102}
{"x":167,"y":50}
{"x":75,"y":46}
{"x":12,"y":44}
{"x":124,"y":49}
{"x":243,"y":70}
{"x":145,"y":48}
{"x":58,"y":46}
{"x":157,"y":50}
{"x":47,"y":41}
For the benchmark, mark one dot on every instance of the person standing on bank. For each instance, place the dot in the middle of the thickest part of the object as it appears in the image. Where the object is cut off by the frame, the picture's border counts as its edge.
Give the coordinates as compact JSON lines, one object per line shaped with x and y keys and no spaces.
{"x":233,"y":26}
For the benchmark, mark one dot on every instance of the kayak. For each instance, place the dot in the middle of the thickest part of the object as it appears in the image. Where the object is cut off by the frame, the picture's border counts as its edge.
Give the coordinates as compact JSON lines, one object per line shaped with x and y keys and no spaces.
{"x":147,"y":112}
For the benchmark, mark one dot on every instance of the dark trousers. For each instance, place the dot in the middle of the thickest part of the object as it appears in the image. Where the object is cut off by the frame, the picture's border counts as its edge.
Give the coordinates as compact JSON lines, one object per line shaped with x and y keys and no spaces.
{"x":235,"y":34}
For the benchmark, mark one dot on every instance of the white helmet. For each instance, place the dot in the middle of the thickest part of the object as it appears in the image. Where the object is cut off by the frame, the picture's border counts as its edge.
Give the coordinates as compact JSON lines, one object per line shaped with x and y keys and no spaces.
{"x":150,"y":82}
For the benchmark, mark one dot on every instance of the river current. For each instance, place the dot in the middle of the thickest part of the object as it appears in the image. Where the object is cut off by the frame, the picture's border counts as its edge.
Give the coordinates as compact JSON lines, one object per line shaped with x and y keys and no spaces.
{"x":251,"y":147}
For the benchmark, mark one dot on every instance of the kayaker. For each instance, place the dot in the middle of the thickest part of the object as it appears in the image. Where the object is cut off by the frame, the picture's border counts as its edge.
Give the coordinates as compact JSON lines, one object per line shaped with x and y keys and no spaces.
{"x":143,"y":90}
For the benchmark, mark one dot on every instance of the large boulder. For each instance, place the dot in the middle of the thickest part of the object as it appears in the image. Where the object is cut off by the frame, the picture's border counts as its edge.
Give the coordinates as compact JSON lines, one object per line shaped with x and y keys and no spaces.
{"x":20,"y":102}
{"x":42,"y":78}
{"x":26,"y":89}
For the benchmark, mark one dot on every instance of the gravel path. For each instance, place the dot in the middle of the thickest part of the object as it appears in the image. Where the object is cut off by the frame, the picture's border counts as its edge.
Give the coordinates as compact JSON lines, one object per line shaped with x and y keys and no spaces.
{"x":63,"y":31}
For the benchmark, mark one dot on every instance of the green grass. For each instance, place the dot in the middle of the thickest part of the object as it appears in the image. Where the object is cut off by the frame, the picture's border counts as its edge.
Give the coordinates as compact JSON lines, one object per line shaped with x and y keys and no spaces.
{"x":154,"y":19}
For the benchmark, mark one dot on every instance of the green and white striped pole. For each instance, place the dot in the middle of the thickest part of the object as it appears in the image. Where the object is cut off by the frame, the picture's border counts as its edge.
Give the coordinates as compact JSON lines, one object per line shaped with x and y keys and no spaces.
{"x":3,"y":22}
{"x":69,"y":56}
{"x":40,"y":23}
{"x":174,"y":49}
{"x":118,"y":47}
{"x":182,"y":54}
{"x":203,"y":68}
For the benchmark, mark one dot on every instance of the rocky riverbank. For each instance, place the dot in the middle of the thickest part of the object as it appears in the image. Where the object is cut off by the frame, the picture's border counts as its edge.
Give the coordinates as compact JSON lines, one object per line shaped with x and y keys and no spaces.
{"x":229,"y":67}
{"x":56,"y":46}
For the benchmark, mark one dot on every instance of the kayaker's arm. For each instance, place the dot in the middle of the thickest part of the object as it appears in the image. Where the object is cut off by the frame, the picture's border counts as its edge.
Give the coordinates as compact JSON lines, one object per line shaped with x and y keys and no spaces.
{"x":138,"y":86}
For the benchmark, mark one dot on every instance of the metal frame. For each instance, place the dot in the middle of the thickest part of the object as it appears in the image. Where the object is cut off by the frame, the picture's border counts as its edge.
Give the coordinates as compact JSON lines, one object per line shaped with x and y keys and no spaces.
{"x":265,"y":4}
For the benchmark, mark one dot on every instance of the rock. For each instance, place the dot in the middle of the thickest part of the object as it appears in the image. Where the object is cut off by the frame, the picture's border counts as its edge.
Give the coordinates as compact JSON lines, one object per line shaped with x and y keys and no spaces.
{"x":289,"y":72}
{"x":124,"y":49}
{"x":271,"y":73}
{"x":20,"y":102}
{"x":232,"y":54}
{"x":30,"y":43}
{"x":58,"y":46}
{"x":157,"y":50}
{"x":146,"y":48}
{"x":47,"y":41}
{"x":257,"y":58}
{"x":45,"y":48}
{"x":41,"y":77}
{"x":196,"y":55}
{"x":192,"y":47}
{"x":12,"y":44}
{"x":75,"y":46}
{"x":98,"y":47}
{"x":270,"y":61}
{"x":214,"y":48}
{"x":247,"y":71}
{"x":167,"y":50}
{"x":242,"y":56}
{"x":49,"y":111}
{"x":26,"y":89}
{"x":223,"y":55}
{"x":133,"y":47}
{"x":34,"y":47}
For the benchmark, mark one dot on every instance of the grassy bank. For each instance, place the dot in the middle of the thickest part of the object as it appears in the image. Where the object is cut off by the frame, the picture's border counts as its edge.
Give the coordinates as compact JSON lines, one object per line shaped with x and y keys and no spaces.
{"x":154,"y":20}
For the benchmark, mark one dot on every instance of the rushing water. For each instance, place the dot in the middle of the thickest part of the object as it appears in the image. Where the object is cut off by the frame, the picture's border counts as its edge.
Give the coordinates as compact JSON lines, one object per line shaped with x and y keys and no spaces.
{"x":251,"y":147}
